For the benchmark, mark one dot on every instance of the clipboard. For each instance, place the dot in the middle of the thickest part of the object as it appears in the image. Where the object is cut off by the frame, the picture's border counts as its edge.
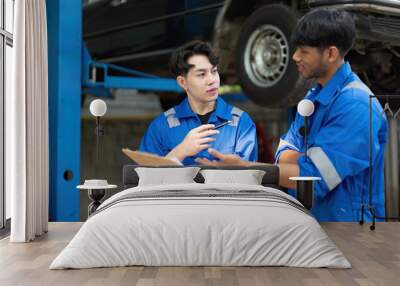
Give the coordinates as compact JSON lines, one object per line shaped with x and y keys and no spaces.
{"x":148,"y":159}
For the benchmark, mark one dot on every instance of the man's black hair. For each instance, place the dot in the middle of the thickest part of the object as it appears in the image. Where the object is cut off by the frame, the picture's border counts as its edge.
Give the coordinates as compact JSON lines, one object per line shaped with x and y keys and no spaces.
{"x":322,"y":28}
{"x":178,"y":61}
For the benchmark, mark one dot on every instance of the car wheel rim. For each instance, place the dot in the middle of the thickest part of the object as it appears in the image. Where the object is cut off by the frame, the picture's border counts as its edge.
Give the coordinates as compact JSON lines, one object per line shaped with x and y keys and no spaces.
{"x":266,"y":56}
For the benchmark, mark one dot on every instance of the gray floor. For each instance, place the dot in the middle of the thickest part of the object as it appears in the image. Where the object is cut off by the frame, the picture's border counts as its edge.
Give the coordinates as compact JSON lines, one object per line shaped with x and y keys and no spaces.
{"x":374,"y":255}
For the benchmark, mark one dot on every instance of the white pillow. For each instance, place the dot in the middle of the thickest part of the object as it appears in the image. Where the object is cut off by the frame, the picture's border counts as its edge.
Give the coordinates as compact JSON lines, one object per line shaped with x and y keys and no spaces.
{"x":164,"y":176}
{"x":248,"y":177}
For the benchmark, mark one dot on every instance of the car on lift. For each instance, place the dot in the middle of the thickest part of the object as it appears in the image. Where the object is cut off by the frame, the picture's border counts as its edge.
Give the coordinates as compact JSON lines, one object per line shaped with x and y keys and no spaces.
{"x":252,"y":37}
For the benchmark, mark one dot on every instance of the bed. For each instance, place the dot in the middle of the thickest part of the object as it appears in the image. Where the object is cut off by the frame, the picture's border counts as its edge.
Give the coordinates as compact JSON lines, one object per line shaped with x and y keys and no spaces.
{"x":195,"y":219}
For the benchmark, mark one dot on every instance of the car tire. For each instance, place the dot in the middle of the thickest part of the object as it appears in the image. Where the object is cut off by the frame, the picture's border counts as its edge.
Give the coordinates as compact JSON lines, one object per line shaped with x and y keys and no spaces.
{"x":264,"y":66}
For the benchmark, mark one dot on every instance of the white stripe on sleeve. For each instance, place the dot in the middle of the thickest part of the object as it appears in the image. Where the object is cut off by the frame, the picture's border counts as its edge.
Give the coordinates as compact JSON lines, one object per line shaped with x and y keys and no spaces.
{"x":324,"y":166}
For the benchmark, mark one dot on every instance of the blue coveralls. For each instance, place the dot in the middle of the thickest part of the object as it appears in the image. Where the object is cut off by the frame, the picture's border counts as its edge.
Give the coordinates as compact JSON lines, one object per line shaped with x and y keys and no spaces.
{"x":338,"y":141}
{"x":170,"y":128}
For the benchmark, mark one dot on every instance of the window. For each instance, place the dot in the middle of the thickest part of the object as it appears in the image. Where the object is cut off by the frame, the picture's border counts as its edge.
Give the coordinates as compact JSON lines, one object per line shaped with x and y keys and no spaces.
{"x":2,"y":65}
{"x":9,"y":13}
{"x":6,"y":62}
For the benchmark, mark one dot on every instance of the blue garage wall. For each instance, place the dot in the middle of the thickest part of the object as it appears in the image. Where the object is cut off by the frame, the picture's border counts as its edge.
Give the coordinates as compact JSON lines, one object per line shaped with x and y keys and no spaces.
{"x":64,"y":24}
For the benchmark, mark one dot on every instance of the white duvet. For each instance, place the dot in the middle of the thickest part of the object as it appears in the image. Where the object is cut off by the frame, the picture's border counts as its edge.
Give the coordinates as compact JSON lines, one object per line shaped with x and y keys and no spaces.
{"x":206,"y":230}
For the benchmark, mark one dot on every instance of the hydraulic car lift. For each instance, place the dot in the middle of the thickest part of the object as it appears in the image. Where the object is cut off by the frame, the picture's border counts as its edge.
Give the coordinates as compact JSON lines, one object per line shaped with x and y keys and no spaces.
{"x":97,"y":78}
{"x":72,"y":72}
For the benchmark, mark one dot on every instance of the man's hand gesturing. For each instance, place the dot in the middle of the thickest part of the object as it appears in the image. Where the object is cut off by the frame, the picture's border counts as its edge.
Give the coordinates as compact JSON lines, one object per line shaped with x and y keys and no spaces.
{"x":195,"y":141}
{"x":224,"y":160}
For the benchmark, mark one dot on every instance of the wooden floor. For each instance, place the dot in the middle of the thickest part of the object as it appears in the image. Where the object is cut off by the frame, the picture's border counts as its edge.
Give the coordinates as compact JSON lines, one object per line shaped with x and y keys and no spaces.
{"x":375,"y":257}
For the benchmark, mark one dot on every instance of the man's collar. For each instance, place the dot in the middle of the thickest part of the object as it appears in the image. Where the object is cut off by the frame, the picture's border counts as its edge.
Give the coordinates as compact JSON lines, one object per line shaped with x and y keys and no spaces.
{"x":183,"y":109}
{"x":335,"y":84}
{"x":222,"y":110}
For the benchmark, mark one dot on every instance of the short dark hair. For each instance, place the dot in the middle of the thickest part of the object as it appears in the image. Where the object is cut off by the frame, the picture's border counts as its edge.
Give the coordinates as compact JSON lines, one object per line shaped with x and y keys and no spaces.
{"x":178,"y":61}
{"x":322,"y":28}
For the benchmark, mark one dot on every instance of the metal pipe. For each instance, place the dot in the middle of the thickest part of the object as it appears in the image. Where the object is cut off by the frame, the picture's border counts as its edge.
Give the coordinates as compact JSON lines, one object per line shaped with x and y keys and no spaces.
{"x":135,"y":56}
{"x":370,"y":150}
{"x":305,"y":137}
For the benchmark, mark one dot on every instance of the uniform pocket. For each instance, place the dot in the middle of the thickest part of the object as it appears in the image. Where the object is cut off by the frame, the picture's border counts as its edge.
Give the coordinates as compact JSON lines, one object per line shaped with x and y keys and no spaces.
{"x":225,"y":140}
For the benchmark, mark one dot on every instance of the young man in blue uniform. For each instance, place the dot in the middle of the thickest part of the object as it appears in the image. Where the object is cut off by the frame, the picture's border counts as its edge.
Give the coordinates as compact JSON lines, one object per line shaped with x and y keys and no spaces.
{"x":186,"y":131}
{"x":338,"y":136}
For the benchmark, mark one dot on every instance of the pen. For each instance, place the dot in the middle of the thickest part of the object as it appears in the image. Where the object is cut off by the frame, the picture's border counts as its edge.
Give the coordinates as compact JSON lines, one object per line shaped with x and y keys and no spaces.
{"x":222,"y":124}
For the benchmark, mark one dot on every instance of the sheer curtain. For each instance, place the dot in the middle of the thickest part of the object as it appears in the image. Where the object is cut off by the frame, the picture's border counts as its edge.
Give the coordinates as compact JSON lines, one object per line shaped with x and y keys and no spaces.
{"x":27,"y":124}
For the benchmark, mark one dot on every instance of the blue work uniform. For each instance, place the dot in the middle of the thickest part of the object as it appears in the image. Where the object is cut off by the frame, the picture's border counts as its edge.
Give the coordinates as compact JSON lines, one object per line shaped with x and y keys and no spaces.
{"x":338,"y":141}
{"x":170,"y":128}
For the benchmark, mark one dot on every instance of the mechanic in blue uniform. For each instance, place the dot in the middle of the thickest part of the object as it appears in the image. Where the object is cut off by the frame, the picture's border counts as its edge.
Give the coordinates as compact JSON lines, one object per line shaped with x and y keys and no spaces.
{"x":186,"y":131}
{"x":338,"y":130}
